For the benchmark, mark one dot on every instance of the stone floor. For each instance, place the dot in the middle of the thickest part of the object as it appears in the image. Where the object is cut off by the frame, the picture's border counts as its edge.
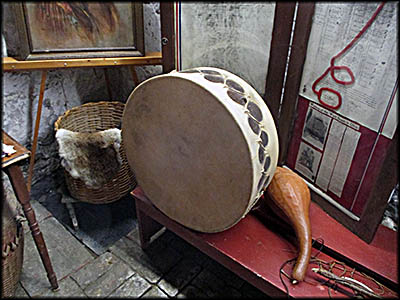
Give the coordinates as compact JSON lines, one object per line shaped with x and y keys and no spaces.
{"x":169,"y":268}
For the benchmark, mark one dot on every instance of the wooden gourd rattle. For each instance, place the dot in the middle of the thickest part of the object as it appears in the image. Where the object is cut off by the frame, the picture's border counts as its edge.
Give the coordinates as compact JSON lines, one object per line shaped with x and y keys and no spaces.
{"x":291,"y":201}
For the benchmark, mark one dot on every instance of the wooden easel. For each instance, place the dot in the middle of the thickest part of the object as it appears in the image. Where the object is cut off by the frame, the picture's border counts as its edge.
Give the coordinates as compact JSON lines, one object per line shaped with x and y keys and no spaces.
{"x":12,"y":65}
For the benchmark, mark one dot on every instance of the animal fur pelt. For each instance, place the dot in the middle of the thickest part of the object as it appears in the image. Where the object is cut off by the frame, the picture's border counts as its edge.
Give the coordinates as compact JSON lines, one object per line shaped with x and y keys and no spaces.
{"x":91,"y":157}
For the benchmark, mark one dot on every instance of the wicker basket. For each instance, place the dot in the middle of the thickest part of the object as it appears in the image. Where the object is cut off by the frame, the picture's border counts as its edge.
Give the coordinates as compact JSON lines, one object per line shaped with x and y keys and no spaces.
{"x":12,"y":246}
{"x":93,"y":117}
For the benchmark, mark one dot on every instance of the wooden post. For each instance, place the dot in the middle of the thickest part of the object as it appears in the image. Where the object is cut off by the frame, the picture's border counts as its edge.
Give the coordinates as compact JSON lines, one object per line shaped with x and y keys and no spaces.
{"x":167,"y":36}
{"x":280,"y":42}
{"x":305,"y":12}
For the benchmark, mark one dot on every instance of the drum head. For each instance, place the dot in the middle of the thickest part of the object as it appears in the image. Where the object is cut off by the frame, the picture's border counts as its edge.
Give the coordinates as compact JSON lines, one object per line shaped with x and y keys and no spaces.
{"x":188,"y":153}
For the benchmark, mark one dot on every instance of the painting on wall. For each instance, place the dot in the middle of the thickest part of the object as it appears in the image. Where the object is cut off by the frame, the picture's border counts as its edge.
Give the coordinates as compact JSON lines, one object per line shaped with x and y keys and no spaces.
{"x":50,"y":30}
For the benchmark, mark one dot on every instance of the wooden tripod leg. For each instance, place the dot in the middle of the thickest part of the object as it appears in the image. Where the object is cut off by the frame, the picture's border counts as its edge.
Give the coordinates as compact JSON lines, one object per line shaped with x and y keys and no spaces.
{"x":36,"y":132}
{"x":18,"y":183}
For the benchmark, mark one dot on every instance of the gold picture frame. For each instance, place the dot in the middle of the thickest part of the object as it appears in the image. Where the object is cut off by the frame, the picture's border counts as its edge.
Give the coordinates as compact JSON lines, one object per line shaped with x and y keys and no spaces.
{"x":59,"y":30}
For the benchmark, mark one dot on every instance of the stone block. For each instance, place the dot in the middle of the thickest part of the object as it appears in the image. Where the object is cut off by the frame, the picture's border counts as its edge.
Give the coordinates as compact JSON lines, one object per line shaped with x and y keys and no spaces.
{"x":134,"y":235}
{"x":93,"y":270}
{"x":66,"y":254}
{"x":155,"y":292}
{"x":67,"y":288}
{"x":109,"y":281}
{"x":134,"y":287}
{"x":20,"y":292}
{"x":179,"y":276}
{"x":191,"y":292}
{"x":150,"y":264}
{"x":41,"y":213}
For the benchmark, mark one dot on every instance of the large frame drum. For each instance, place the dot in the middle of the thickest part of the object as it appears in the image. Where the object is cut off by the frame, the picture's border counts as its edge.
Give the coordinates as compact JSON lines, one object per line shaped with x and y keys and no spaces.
{"x":202,"y":144}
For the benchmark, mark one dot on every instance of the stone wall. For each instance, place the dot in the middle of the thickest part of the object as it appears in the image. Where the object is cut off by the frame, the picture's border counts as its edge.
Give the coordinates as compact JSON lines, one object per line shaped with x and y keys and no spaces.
{"x":65,"y":89}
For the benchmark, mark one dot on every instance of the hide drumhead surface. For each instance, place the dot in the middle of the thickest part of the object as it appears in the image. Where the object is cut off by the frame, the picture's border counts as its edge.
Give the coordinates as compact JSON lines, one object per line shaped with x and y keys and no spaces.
{"x":188,"y":153}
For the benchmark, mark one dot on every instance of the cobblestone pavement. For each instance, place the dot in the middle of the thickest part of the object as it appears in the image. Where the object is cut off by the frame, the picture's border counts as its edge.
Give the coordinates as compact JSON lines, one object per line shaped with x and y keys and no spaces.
{"x":169,"y":268}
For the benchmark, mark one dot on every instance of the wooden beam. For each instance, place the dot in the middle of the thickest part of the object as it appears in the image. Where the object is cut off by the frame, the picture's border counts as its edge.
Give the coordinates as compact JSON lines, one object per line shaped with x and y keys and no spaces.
{"x":305,"y":12}
{"x":167,"y":36}
{"x":283,"y":20}
{"x":11,"y":64}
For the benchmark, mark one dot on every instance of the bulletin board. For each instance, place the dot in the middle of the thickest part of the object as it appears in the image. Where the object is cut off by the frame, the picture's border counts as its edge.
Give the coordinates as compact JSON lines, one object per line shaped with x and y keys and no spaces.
{"x":250,"y":40}
{"x":343,"y":136}
{"x":233,"y":36}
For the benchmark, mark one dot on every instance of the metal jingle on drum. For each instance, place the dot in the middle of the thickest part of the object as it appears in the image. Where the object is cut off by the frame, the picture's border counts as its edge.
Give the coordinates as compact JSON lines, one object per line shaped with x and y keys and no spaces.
{"x":255,"y":111}
{"x":253,"y":125}
{"x":267,"y":163}
{"x":266,"y":182}
{"x":237,"y":97}
{"x":264,"y":138}
{"x":234,"y":85}
{"x":261,"y":154}
{"x":211,"y":72}
{"x":215,"y":78}
{"x":261,"y":182}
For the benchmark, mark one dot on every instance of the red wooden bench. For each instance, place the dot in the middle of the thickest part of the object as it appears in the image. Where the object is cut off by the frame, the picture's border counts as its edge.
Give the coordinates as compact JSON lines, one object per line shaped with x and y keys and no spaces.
{"x":256,"y":253}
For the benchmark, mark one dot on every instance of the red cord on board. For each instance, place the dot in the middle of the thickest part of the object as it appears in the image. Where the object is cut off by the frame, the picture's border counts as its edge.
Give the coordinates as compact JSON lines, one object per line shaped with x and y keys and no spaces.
{"x":332,"y":68}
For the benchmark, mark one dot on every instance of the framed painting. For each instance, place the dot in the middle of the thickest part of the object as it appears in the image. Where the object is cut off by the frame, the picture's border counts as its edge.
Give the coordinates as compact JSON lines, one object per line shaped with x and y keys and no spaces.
{"x":58,"y":30}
